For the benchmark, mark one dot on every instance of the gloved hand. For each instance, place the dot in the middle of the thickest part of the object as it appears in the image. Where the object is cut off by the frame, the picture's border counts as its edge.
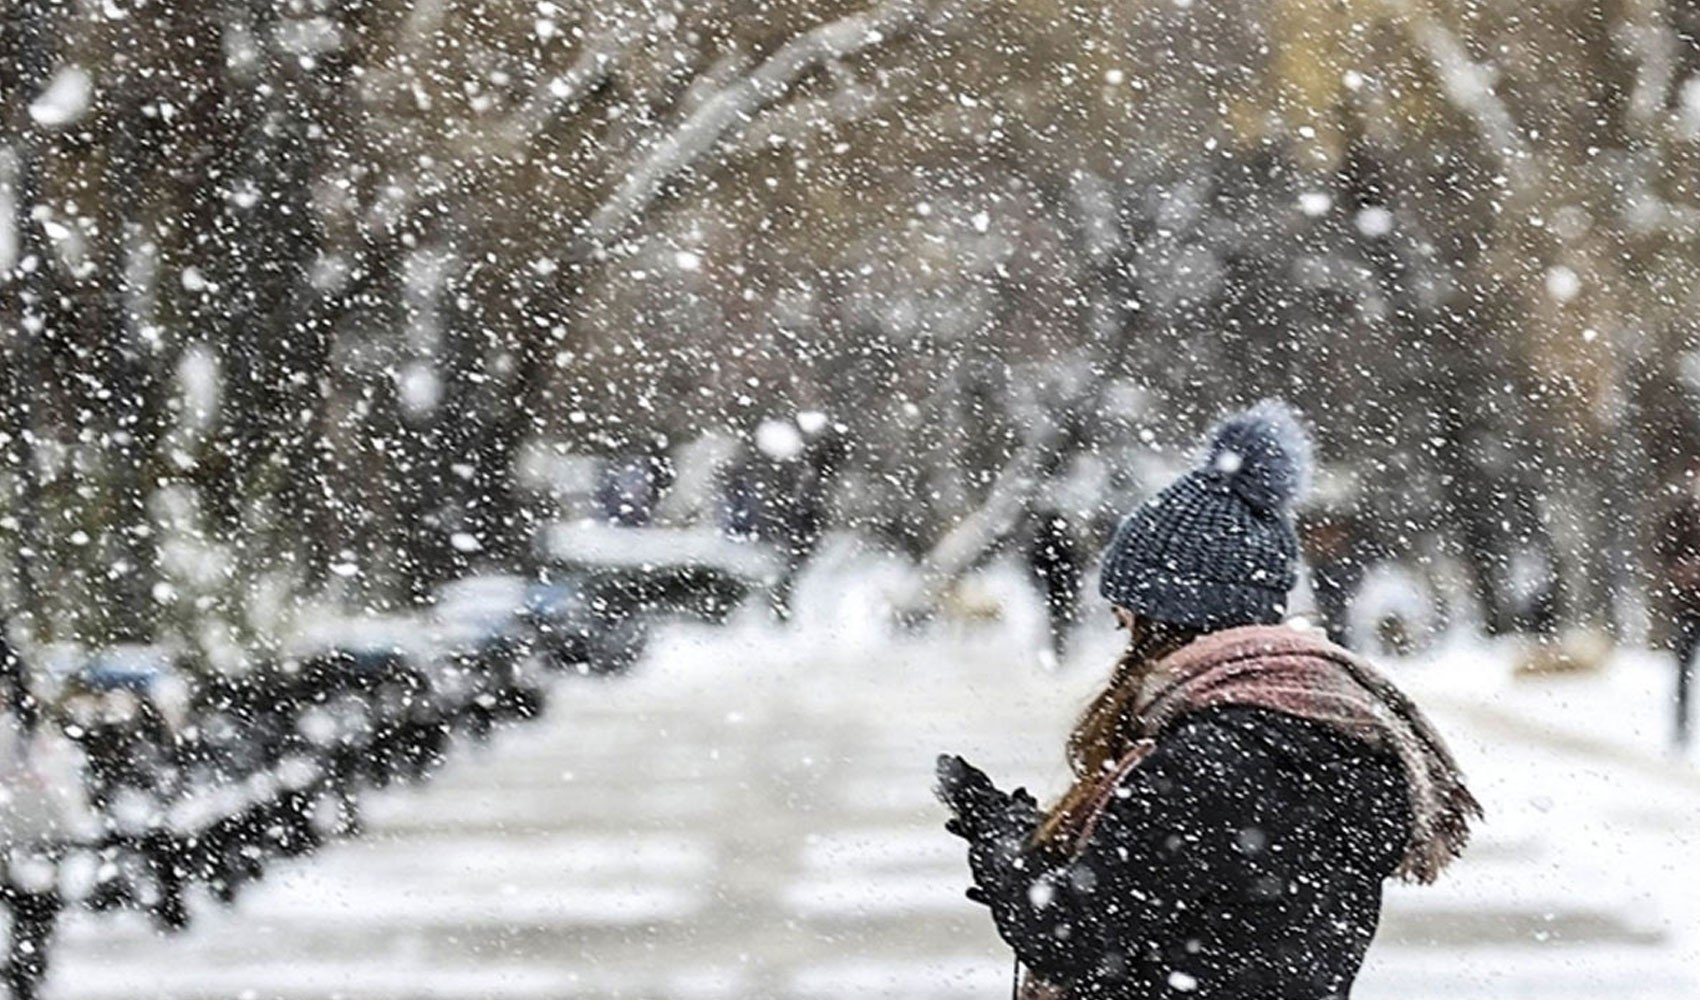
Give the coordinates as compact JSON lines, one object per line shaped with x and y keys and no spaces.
{"x":979,"y":809}
{"x":997,"y":825}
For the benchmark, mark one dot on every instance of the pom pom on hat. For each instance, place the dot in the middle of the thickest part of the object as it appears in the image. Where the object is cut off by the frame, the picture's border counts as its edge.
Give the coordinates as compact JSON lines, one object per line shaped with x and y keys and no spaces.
{"x":1265,"y":454}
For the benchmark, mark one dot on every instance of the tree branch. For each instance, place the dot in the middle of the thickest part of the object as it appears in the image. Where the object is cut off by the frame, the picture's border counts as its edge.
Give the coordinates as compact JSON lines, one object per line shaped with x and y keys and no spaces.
{"x":1469,"y":86}
{"x":799,"y":120}
{"x":1044,"y":415}
{"x":734,"y":106}
{"x":593,"y":67}
{"x":1658,"y":49}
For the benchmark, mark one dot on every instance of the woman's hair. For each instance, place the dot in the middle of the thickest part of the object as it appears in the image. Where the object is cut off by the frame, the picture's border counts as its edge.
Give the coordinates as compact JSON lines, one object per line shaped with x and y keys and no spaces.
{"x":1104,"y":732}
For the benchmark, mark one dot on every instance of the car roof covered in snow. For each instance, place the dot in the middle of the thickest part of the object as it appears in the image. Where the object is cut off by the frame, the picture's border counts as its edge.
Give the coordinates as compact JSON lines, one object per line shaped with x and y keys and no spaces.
{"x":595,"y":544}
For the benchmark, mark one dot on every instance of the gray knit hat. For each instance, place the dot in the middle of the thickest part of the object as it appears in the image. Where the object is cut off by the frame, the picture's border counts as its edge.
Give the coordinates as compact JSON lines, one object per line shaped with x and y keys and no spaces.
{"x":1217,"y":547}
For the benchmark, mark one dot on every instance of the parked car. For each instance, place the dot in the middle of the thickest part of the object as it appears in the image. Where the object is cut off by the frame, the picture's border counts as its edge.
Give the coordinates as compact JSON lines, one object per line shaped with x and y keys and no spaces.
{"x":364,"y":694}
{"x":485,"y":637}
{"x":125,"y":705}
{"x":611,"y":582}
{"x":581,"y":625}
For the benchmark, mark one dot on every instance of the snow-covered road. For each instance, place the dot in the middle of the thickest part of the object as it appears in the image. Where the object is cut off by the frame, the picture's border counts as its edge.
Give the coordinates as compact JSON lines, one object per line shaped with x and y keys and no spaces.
{"x":749,"y":816}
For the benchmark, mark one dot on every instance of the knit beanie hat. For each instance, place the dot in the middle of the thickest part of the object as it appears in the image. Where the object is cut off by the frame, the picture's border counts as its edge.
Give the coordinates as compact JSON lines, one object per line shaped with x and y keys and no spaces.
{"x":1217,"y":548}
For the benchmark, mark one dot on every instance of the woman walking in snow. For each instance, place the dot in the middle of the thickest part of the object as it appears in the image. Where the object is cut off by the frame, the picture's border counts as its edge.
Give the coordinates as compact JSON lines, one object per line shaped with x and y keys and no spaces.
{"x":1242,"y":788}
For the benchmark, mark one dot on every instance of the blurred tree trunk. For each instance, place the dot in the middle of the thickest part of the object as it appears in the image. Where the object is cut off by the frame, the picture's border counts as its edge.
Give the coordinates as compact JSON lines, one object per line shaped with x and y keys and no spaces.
{"x":128,"y":397}
{"x":26,"y":45}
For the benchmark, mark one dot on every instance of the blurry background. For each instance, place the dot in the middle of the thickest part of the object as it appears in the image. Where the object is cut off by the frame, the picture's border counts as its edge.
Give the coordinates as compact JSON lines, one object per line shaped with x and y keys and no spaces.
{"x":363,"y":361}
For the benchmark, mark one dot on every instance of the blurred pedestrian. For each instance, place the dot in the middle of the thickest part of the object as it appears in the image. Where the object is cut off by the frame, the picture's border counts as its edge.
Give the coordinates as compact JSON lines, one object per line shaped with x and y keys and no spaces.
{"x":1336,"y":549}
{"x":630,"y":488}
{"x":1679,"y":561}
{"x":1054,"y":539}
{"x":1053,"y":557}
{"x":1242,"y":789}
{"x":780,"y":492}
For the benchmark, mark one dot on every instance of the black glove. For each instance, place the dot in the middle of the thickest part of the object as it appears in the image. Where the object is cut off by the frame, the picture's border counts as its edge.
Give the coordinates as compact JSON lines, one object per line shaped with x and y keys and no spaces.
{"x":997,"y":826}
{"x":979,"y":810}
{"x":992,"y":861}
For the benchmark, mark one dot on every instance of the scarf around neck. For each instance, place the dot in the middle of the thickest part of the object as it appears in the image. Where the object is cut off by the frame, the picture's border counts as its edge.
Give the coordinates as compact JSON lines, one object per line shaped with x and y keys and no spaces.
{"x":1280,"y":669}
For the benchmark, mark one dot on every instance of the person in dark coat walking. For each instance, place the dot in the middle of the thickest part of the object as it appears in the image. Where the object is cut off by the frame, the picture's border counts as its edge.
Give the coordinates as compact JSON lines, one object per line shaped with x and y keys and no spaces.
{"x":1338,"y":555}
{"x":1053,"y":557}
{"x":1242,"y":789}
{"x":1679,"y":558}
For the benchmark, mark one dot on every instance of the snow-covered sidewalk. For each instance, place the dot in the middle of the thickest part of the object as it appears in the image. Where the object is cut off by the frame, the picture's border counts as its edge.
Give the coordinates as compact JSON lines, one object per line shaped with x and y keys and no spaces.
{"x":749,"y":816}
{"x":1583,"y":882}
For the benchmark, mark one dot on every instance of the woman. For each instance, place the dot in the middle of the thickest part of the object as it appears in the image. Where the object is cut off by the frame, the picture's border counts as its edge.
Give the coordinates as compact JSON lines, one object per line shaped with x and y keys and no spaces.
{"x":1241,"y":788}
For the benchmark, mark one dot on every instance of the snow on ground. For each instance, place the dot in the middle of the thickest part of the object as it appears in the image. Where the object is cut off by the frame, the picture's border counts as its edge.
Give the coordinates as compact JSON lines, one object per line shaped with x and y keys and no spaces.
{"x":748,"y":816}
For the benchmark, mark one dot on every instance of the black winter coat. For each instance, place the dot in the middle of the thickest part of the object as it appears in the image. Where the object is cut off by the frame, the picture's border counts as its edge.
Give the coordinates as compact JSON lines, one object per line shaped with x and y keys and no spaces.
{"x":1242,"y":860}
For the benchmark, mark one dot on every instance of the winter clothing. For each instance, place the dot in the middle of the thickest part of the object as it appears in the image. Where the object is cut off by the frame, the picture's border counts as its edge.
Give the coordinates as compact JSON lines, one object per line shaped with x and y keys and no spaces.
{"x":1217,"y":547}
{"x":1679,"y":550}
{"x":1687,"y":647}
{"x":1242,"y":858}
{"x":1238,"y":849}
{"x":1338,"y":555}
{"x":1679,"y":554}
{"x":1297,"y":673}
{"x":980,"y":811}
{"x":1055,"y":562}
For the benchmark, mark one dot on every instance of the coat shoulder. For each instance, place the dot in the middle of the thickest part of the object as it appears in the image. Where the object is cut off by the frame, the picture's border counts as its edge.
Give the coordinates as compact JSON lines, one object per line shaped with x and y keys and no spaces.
{"x":1331,"y":781}
{"x":1289,"y":740}
{"x":1314,"y":764}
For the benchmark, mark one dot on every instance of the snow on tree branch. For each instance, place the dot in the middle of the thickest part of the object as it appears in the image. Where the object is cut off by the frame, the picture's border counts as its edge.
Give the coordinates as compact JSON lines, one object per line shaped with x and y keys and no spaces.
{"x":848,"y":101}
{"x":734,"y":106}
{"x":1657,"y":48}
{"x":1470,"y":87}
{"x":549,"y":101}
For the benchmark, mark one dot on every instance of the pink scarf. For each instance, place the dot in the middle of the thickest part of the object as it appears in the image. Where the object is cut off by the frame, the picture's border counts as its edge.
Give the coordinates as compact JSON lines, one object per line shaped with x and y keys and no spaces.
{"x":1281,"y":669}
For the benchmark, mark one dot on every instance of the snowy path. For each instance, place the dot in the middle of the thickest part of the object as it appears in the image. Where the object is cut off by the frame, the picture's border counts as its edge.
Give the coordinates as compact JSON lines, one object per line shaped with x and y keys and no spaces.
{"x":744,"y":819}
